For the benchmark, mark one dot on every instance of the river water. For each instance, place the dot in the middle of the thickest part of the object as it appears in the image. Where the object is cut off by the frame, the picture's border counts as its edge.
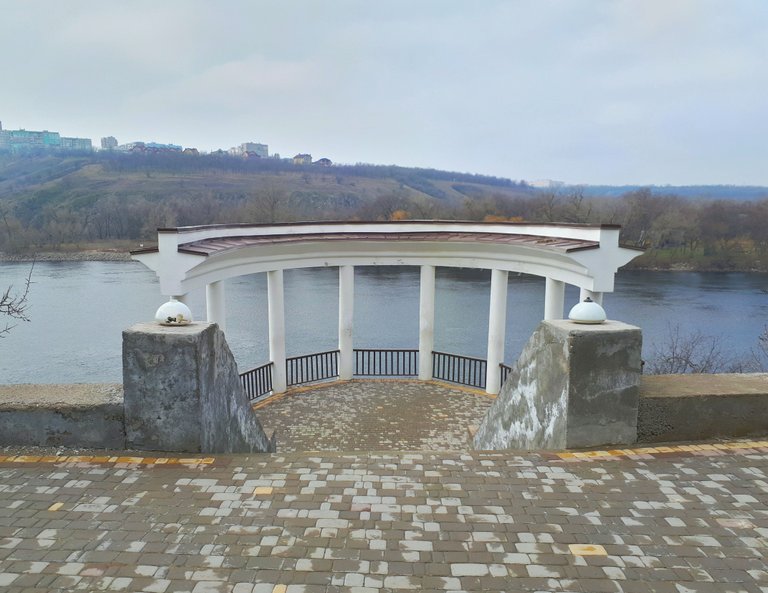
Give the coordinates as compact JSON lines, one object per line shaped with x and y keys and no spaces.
{"x":79,"y":309}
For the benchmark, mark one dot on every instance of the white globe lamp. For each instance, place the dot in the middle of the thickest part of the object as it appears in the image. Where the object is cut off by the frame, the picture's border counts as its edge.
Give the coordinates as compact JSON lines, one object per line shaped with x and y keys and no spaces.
{"x":588,"y":312}
{"x":173,"y":313}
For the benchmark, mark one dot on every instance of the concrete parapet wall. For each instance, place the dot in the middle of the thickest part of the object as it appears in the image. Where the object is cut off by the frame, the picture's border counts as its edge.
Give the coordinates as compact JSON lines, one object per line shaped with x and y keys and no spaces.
{"x":573,"y":386}
{"x":183,"y":392}
{"x":79,"y":415}
{"x":700,"y":407}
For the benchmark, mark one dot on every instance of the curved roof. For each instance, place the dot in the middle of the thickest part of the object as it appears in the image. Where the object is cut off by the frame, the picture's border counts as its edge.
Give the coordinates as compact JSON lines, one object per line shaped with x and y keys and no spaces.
{"x":190,"y":257}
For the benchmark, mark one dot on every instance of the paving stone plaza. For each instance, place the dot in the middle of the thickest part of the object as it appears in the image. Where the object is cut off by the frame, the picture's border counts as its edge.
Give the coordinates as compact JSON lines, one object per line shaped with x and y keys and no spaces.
{"x":678,"y":519}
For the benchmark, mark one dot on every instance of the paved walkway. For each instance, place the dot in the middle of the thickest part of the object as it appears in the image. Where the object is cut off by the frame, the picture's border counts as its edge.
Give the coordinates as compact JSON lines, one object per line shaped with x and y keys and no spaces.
{"x":386,"y":415}
{"x":667,"y":520}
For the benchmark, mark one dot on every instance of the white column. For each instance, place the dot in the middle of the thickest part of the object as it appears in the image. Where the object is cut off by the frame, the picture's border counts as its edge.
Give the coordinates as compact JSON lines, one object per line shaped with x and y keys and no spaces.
{"x":276,"y":305}
{"x":497,"y":321}
{"x":215,"y":307}
{"x":597,"y":297}
{"x":554,"y":298}
{"x":426,"y":322}
{"x":346,"y":322}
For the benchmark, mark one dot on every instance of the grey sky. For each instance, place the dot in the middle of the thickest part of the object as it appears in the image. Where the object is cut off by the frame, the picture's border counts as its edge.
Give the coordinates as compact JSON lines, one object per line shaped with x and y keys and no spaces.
{"x":595,"y":91}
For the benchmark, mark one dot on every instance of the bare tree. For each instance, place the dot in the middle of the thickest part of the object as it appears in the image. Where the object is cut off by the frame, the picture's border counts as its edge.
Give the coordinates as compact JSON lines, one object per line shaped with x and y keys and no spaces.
{"x":690,"y":353}
{"x":14,"y":305}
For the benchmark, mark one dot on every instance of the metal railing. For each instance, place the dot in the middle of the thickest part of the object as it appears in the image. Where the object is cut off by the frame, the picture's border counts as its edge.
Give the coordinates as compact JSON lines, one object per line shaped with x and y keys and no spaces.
{"x":371,"y":362}
{"x":258,"y":381}
{"x":311,"y":367}
{"x":463,"y":370}
{"x":504,"y":370}
{"x":386,"y":362}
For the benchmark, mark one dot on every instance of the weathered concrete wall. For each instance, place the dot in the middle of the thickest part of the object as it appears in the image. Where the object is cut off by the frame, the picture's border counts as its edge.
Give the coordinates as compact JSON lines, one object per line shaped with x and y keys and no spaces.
{"x":182,"y":392}
{"x":79,"y":415}
{"x":573,"y":386}
{"x":701,"y":407}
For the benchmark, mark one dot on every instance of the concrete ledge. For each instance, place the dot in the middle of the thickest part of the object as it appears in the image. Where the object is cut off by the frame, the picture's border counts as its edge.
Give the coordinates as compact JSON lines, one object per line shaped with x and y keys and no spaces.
{"x":701,"y":407}
{"x":78,"y":415}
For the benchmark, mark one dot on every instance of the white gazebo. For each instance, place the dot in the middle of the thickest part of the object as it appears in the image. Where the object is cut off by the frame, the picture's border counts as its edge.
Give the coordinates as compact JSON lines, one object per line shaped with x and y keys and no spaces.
{"x":587,"y":256}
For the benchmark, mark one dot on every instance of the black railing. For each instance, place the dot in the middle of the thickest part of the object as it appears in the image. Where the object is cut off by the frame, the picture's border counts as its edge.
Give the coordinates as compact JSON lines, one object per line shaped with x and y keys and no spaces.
{"x":311,"y":367}
{"x":463,"y":370}
{"x":504,"y":370}
{"x":371,"y":362}
{"x":257,"y":382}
{"x":386,"y":362}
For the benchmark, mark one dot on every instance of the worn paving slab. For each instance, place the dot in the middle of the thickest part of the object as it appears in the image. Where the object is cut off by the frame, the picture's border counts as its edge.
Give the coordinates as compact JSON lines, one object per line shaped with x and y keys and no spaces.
{"x":392,"y":415}
{"x":657,"y":519}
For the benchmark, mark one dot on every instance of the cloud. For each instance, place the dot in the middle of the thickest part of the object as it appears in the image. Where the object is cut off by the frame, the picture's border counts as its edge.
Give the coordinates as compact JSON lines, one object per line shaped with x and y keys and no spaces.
{"x":522,"y":89}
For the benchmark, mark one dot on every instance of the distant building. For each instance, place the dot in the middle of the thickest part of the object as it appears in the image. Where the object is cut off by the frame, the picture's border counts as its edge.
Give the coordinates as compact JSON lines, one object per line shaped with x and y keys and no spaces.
{"x":76,"y":144}
{"x":25,"y":140}
{"x":323,"y":162}
{"x":109,"y":143}
{"x":192,"y":151}
{"x":148,"y":147}
{"x":250,"y":149}
{"x":302,"y":159}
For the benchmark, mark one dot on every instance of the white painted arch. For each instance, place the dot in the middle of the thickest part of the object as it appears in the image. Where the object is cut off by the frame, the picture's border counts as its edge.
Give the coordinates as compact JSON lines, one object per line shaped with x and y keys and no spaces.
{"x":586,"y":256}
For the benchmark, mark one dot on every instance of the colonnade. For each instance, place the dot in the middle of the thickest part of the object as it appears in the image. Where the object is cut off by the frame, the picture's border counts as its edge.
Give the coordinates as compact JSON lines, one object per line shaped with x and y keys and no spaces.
{"x":554,"y":297}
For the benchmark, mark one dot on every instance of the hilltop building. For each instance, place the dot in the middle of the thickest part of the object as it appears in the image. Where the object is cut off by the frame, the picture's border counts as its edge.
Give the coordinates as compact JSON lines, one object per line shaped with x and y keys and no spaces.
{"x":109,"y":143}
{"x":250,"y":149}
{"x":25,"y":140}
{"x":302,"y":159}
{"x":148,"y":147}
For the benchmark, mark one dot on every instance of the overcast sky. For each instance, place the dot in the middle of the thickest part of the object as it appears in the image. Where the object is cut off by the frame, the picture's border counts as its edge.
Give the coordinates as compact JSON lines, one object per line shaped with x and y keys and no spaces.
{"x":584,"y":91}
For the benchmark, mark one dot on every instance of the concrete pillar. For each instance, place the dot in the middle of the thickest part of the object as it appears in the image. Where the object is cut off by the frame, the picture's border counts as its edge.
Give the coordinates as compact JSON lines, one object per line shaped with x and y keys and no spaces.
{"x":346,"y":322}
{"x":426,"y":322}
{"x":276,"y":305}
{"x":215,"y":307}
{"x":182,"y":392}
{"x":573,"y":386}
{"x":497,"y":321}
{"x":595,"y":296}
{"x":554,"y":298}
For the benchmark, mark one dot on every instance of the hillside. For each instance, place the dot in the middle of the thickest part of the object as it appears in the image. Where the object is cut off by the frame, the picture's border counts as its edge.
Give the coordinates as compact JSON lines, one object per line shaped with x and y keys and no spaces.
{"x":81,"y":181}
{"x":58,"y":202}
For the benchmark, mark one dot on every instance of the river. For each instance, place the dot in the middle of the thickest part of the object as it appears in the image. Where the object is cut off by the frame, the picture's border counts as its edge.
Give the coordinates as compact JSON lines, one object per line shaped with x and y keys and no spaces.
{"x":79,"y":309}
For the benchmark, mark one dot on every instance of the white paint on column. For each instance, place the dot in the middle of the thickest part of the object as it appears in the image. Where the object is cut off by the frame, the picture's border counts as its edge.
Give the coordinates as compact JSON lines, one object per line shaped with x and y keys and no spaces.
{"x":276,"y":305}
{"x":554,"y":298}
{"x":346,"y":322}
{"x":215,"y":306}
{"x":426,"y":321}
{"x":497,"y":320}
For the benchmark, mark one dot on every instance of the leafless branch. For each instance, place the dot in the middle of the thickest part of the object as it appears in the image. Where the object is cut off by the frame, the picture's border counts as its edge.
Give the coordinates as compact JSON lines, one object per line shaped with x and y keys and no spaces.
{"x":15,"y":305}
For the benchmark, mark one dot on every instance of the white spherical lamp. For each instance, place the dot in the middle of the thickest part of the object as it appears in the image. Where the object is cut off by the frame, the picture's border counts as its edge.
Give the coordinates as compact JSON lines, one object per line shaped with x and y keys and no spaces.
{"x":587,"y":311}
{"x":173,"y":313}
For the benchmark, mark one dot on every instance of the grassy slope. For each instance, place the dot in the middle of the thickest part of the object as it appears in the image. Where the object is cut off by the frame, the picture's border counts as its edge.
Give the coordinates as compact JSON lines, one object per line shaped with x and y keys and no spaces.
{"x":79,"y":181}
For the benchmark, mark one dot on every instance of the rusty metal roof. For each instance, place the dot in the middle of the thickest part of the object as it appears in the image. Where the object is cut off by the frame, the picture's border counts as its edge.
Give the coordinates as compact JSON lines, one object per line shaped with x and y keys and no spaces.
{"x":217,"y":245}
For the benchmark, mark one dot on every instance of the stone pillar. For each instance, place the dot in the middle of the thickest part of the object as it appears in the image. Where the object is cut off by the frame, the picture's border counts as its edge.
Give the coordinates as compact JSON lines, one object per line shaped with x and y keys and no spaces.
{"x":595,"y":296}
{"x":426,"y":321}
{"x":346,"y":322}
{"x":554,"y":298}
{"x":182,"y":392}
{"x":573,"y":386}
{"x":497,"y":323}
{"x":276,"y":306}
{"x":215,"y":306}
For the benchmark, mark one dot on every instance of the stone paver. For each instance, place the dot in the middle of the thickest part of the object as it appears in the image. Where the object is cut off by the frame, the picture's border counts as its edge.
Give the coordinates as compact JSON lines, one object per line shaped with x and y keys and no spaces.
{"x":388,"y":415}
{"x":679,"y":521}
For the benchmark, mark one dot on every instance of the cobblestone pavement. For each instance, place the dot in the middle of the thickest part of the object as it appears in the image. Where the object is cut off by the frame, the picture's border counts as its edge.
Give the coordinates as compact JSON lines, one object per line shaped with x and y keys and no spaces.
{"x":668,"y":520}
{"x":388,"y":415}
